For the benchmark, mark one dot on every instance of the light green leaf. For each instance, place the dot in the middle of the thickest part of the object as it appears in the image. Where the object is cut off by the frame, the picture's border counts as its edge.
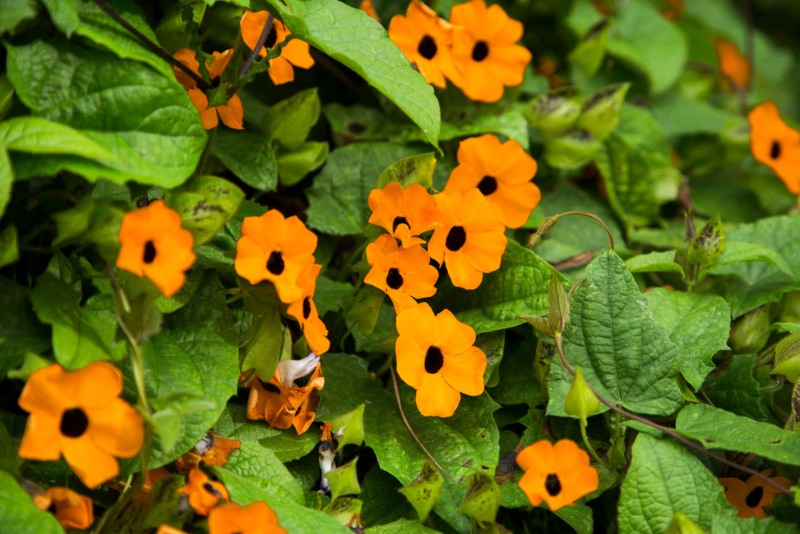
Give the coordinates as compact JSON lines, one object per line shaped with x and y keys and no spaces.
{"x":262,"y":467}
{"x":728,"y":523}
{"x":343,"y":480}
{"x":719,"y":429}
{"x":555,"y":111}
{"x":588,"y":53}
{"x":205,"y":204}
{"x":9,"y":251}
{"x":625,"y":355}
{"x":482,"y":499}
{"x":149,"y":125}
{"x":518,"y":288}
{"x":665,"y":478}
{"x":349,"y":36}
{"x":16,"y":11}
{"x":787,"y":358}
{"x":654,"y":262}
{"x":338,"y":197}
{"x":600,"y":114}
{"x":35,"y":135}
{"x":465,"y":118}
{"x":411,"y":170}
{"x":573,"y":148}
{"x":740,"y":252}
{"x":403,"y":526}
{"x":19,"y":515}
{"x":294,"y":165}
{"x":266,"y":341}
{"x":424,"y":491}
{"x":250,"y":156}
{"x":74,"y":222}
{"x":679,"y":115}
{"x":351,"y":426}
{"x":64,"y":14}
{"x":698,"y":324}
{"x":289,"y":121}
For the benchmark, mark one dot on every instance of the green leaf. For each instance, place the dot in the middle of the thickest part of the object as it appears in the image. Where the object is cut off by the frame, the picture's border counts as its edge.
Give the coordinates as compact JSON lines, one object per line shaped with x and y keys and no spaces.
{"x":465,"y":118}
{"x":249,"y":156}
{"x":698,"y":324}
{"x":266,"y":343}
{"x":734,"y":388}
{"x":19,"y":515}
{"x":205,"y":204}
{"x":9,"y":461}
{"x":344,"y":509}
{"x":293,"y":166}
{"x":483,"y":497}
{"x":739,"y":252}
{"x":35,"y":135}
{"x":149,"y":125}
{"x":424,"y":491}
{"x":100,"y":28}
{"x":289,"y":121}
{"x":625,"y":355}
{"x":262,"y":467}
{"x":6,"y":95}
{"x":343,"y":480}
{"x":679,"y":115}
{"x":20,"y":331}
{"x":9,"y":250}
{"x":518,"y":288}
{"x":588,"y":53}
{"x":14,"y":12}
{"x":581,"y":402}
{"x":403,"y":526}
{"x":518,"y":383}
{"x":787,"y":358}
{"x":573,"y":148}
{"x":338,"y":198}
{"x":351,"y":426}
{"x":411,"y":170}
{"x":164,"y":508}
{"x":665,"y":478}
{"x":654,"y":262}
{"x":362,"y":44}
{"x":600,"y":114}
{"x":719,"y":429}
{"x":555,"y":111}
{"x":730,"y":524}
{"x":64,"y":14}
{"x":74,"y":222}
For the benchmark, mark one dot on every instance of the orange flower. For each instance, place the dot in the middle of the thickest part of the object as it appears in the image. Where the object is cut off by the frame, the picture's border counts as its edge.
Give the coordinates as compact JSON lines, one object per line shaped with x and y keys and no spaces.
{"x":256,"y":518}
{"x":470,"y":240}
{"x":367,"y":7}
{"x":734,"y":66}
{"x":155,"y":245}
{"x":281,"y":402}
{"x":169,"y":529}
{"x":211,"y":450}
{"x":204,"y":494}
{"x":486,"y":52}
{"x":232,"y":112}
{"x":275,"y":249}
{"x":404,"y":274}
{"x":752,"y":496}
{"x":501,"y":172}
{"x":558,"y":474}
{"x":403,"y":213}
{"x":775,"y":144}
{"x":437,"y":357}
{"x":296,"y":52}
{"x":71,"y":509}
{"x":305,"y":311}
{"x":425,"y":39}
{"x":79,"y":413}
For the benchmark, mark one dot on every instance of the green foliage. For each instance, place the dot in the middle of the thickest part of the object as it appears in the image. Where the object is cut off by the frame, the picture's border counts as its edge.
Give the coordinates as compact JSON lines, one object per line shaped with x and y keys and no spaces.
{"x":19,"y":514}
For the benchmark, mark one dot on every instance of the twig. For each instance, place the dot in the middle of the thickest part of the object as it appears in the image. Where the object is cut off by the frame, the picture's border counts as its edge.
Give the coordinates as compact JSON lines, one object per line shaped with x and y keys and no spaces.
{"x":153,"y":47}
{"x":259,"y":45}
{"x":408,"y":426}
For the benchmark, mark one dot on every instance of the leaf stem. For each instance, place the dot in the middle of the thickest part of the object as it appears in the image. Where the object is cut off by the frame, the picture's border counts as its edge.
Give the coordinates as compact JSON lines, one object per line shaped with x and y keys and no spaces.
{"x":589,"y":445}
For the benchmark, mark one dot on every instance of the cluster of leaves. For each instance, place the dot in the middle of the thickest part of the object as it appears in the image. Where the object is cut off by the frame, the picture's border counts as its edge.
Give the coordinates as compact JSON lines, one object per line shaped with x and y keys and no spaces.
{"x":93,"y":121}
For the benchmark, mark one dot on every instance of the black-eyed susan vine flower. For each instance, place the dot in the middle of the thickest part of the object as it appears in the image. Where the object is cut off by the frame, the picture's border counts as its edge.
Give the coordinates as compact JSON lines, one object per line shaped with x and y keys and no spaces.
{"x":367,"y":7}
{"x":232,"y":112}
{"x":425,"y":39}
{"x":404,"y":213}
{"x":155,"y":245}
{"x":470,"y":239}
{"x":752,"y":496}
{"x":169,"y":529}
{"x":211,"y":450}
{"x":437,"y":357}
{"x":295,"y":53}
{"x":557,"y":474}
{"x":71,"y":509}
{"x":502,"y":172}
{"x":734,"y":66}
{"x":405,"y":274}
{"x":204,"y":493}
{"x":79,"y":414}
{"x":277,"y":249}
{"x":305,"y":312}
{"x":485,"y":50}
{"x":255,"y":518}
{"x":775,"y":144}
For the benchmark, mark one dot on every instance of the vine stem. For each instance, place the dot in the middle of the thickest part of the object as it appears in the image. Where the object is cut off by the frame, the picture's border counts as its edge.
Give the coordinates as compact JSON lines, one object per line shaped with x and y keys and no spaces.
{"x":549,"y":222}
{"x":668,"y":431}
{"x":150,"y":45}
{"x":259,"y":45}
{"x":411,"y":430}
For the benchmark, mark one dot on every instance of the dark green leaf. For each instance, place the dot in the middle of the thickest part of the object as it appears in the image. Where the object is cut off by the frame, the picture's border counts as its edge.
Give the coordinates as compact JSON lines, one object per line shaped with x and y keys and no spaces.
{"x":734,"y":388}
{"x":250,"y":156}
{"x":9,"y":250}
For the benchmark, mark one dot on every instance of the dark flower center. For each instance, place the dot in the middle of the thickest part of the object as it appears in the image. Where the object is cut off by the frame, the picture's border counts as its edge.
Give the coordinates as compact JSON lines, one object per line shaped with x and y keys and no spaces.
{"x":753,"y":498}
{"x":271,"y":38}
{"x":74,"y":423}
{"x":487,"y":185}
{"x":552,"y":484}
{"x":398,"y":221}
{"x":394,"y":279}
{"x":52,"y":508}
{"x":480,"y":51}
{"x":456,"y":238}
{"x":306,"y":307}
{"x":427,"y":47}
{"x":271,"y":388}
{"x":149,"y":252}
{"x":211,"y":489}
{"x":275,"y":263}
{"x":775,"y":150}
{"x":433,"y":360}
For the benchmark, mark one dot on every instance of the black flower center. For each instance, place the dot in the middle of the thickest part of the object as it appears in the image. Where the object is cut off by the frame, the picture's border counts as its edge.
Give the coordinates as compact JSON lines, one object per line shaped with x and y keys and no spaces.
{"x":394,"y":279}
{"x":52,"y":508}
{"x":270,"y":388}
{"x":211,"y":489}
{"x":552,"y":484}
{"x":433,"y":360}
{"x":456,"y":238}
{"x":74,"y":423}
{"x":775,"y":150}
{"x":398,"y":221}
{"x":753,"y":498}
{"x":306,"y":307}
{"x":427,"y":47}
{"x":275,"y":263}
{"x":149,"y":252}
{"x":487,"y":185}
{"x":480,"y":51}
{"x":271,"y":38}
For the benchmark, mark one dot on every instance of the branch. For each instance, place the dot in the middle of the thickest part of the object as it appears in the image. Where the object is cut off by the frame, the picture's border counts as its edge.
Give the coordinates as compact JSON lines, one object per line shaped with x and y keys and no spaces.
{"x":259,"y":45}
